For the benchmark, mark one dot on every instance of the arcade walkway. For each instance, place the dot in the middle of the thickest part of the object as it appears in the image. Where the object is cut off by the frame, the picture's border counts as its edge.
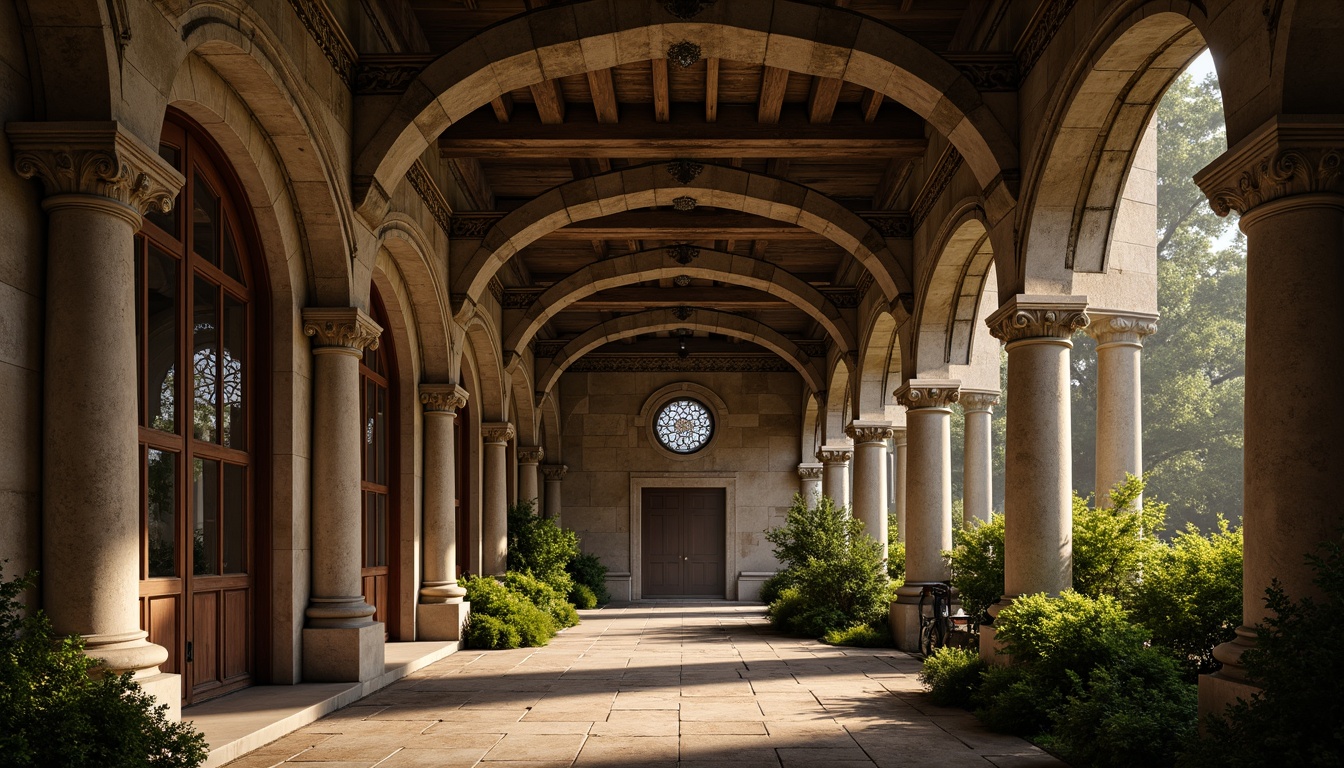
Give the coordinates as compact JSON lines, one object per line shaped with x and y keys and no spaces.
{"x":653,"y":685}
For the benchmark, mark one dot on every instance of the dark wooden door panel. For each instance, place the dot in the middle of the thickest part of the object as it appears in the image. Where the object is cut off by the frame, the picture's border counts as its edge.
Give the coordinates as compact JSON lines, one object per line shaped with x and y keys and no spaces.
{"x":704,"y":535}
{"x":683,"y":542}
{"x":204,"y":657}
{"x":236,"y":634}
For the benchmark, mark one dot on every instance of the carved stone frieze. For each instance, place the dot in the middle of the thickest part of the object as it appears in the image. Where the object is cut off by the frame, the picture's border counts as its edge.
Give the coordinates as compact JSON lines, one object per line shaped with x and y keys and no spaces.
{"x":474,"y":224}
{"x":815,"y":349}
{"x":835,"y":455}
{"x":1045,"y":24}
{"x":928,"y":393}
{"x":442,"y":398}
{"x":377,"y":75}
{"x":865,"y":282}
{"x":1038,"y":317}
{"x":531,"y":455}
{"x":934,"y":185}
{"x":431,"y":196}
{"x":867,"y":432}
{"x":842,"y":298}
{"x":347,"y":327}
{"x":891,"y":225}
{"x":978,"y":400}
{"x":496,"y":289}
{"x":685,"y":203}
{"x":809,"y":471}
{"x":94,"y":158}
{"x":326,"y":32}
{"x":519,"y":298}
{"x":987,"y":71}
{"x":1116,"y":328}
{"x":497,"y":432}
{"x":554,"y":472}
{"x":698,"y":363}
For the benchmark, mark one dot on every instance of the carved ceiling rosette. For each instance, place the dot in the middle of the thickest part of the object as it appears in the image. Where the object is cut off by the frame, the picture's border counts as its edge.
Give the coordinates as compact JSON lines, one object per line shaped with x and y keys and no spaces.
{"x":683,"y":253}
{"x":341,"y":327}
{"x":684,"y":171}
{"x":929,"y":393}
{"x":497,"y":432}
{"x":1038,"y":317}
{"x":532,"y":455}
{"x":442,"y":398}
{"x":685,"y":203}
{"x":95,"y":158}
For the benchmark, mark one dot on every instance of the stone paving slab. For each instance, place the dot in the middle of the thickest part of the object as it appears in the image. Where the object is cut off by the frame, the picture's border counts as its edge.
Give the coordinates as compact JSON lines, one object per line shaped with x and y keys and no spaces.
{"x":656,"y":685}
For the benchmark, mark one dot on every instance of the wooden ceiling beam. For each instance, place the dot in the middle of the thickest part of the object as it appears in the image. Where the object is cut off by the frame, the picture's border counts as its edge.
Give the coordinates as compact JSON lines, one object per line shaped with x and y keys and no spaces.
{"x":870,"y":105}
{"x":711,"y":90}
{"x":550,"y":102}
{"x":894,"y":177}
{"x":758,"y":248}
{"x":672,"y":226}
{"x":502,"y":106}
{"x":662,"y":98}
{"x":604,"y":96}
{"x":774,"y":82}
{"x":821,"y":100}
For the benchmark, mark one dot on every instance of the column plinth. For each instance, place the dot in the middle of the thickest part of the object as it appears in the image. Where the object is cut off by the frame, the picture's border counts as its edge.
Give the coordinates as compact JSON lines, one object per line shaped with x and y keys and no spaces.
{"x":809,"y":483}
{"x":555,"y":475}
{"x":978,"y":478}
{"x":495,"y":522}
{"x":1119,"y":395}
{"x":869,"y":493}
{"x":835,"y":473}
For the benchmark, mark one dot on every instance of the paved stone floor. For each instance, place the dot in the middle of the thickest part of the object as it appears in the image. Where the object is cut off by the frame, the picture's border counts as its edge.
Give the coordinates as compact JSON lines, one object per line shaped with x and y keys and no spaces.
{"x":654,"y":685}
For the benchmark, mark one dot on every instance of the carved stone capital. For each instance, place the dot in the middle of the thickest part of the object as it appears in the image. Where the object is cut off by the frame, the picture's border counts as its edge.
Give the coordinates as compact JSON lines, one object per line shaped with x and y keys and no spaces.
{"x":442,"y":398}
{"x":809,"y":471}
{"x":830,"y":455}
{"x":531,"y":455}
{"x":1287,"y":156}
{"x":554,"y":472}
{"x":870,"y":431}
{"x":497,"y":432}
{"x":344,"y":327}
{"x":928,"y":393}
{"x":1120,"y":328}
{"x":978,"y":400}
{"x":1038,"y":317}
{"x":94,"y":158}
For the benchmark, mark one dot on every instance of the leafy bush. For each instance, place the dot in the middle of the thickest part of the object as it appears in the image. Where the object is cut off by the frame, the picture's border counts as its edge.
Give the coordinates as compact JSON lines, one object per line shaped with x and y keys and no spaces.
{"x":544,"y":597}
{"x":952,"y":675}
{"x":861,"y":636}
{"x":1298,"y":661}
{"x":56,"y":711}
{"x":834,"y":569}
{"x":773,"y":586}
{"x":1111,"y":544}
{"x":582,"y":597}
{"x":589,"y":571}
{"x":976,"y":562}
{"x":539,"y":547}
{"x":504,"y":618}
{"x":1190,"y":595}
{"x":895,"y":552}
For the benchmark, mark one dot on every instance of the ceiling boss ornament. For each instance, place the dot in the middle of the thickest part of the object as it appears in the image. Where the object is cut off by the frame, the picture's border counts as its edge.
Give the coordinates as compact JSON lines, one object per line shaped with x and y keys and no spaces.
{"x":685,"y":203}
{"x":684,"y":171}
{"x":686,"y":9}
{"x":683,"y":253}
{"x":684,"y":54}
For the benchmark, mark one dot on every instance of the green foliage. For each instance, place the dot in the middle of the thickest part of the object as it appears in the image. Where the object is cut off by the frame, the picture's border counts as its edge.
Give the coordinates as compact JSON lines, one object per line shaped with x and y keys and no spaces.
{"x":773,"y":586}
{"x":976,"y":562}
{"x":539,"y":547}
{"x":952,"y":675}
{"x":861,"y":636}
{"x":833,"y":568}
{"x":502,"y":617}
{"x":1190,"y":595}
{"x":587,"y":570}
{"x":582,"y":597}
{"x":1298,"y":660}
{"x":895,"y":552}
{"x":1110,"y":544}
{"x":544,"y":596}
{"x":53,"y":714}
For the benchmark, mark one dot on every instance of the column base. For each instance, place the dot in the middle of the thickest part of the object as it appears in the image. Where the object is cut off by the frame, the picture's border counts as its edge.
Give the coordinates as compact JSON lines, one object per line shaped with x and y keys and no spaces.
{"x":343,"y":655}
{"x":904,"y":619}
{"x":991,"y":649}
{"x":1217,"y":692}
{"x":442,"y":621}
{"x":166,"y":689}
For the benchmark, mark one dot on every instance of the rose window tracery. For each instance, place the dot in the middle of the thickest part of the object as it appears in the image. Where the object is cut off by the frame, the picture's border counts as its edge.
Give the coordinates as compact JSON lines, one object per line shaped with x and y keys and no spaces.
{"x":684,"y":425}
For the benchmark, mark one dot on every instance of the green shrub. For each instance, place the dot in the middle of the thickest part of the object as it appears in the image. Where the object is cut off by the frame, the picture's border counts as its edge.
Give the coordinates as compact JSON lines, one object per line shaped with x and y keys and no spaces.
{"x":589,"y":571}
{"x":1111,"y":544}
{"x":582,"y":597}
{"x":773,"y":586}
{"x":539,"y":547}
{"x":1190,"y":595}
{"x":544,"y":597}
{"x":861,"y":636}
{"x":53,"y":714}
{"x":786,"y":607}
{"x":895,"y":552}
{"x":1298,"y":660}
{"x":976,"y":562}
{"x":952,"y":675}
{"x":513,"y":611}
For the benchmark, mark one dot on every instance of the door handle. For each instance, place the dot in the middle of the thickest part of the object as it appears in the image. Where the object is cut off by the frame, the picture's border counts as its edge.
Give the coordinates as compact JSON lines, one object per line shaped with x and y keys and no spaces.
{"x":685,"y":558}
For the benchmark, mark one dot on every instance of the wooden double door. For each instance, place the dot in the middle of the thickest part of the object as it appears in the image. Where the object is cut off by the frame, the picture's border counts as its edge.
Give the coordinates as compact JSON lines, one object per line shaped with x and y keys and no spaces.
{"x":684,"y":542}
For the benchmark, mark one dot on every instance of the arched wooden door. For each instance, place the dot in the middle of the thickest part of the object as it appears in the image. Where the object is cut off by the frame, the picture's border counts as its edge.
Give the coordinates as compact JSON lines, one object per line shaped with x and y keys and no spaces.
{"x":377,"y":379}
{"x":200,"y":303}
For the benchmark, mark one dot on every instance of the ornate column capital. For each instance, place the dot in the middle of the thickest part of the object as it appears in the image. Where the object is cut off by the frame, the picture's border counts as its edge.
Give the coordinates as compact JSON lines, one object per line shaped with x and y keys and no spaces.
{"x":97,"y":158}
{"x":809,"y":471}
{"x":531,"y":455}
{"x":928,"y":393}
{"x":1037,"y":317}
{"x":443,"y":398}
{"x":1121,"y":327}
{"x":1288,"y":155}
{"x":835,"y":454}
{"x":341,"y":328}
{"x":554,"y":472}
{"x":978,"y":400}
{"x":870,"y":431}
{"x":497,"y":432}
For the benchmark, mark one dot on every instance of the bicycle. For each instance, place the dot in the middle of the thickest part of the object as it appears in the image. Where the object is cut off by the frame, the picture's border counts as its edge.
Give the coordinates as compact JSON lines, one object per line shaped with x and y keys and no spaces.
{"x":939,"y":627}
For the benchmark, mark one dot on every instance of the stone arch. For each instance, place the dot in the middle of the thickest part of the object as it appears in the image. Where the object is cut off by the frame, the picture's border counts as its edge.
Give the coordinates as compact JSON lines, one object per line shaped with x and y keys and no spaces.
{"x":879,"y":370}
{"x":556,"y":41}
{"x":812,"y":426}
{"x":948,"y":305}
{"x":651,"y":185}
{"x":656,"y":264}
{"x":839,"y":405}
{"x":408,"y":249}
{"x":306,"y":160}
{"x":666,"y":320}
{"x":549,"y":411}
{"x":526,"y":420}
{"x":74,"y":45}
{"x":1305,"y":30}
{"x":1095,"y":128}
{"x":483,"y":344}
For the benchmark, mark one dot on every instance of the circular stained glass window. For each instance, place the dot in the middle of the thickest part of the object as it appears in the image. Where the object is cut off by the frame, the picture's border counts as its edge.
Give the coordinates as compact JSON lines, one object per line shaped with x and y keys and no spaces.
{"x":684,"y":425}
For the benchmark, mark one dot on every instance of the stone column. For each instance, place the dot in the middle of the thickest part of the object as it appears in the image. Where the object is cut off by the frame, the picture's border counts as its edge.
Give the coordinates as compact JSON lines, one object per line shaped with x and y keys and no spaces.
{"x":529,"y":486}
{"x":99,"y":180}
{"x":809,"y":483}
{"x":928,"y":497}
{"x":495,"y":515}
{"x":1038,"y":492}
{"x":835,"y":473}
{"x":1285,"y":182}
{"x":341,"y":642}
{"x":555,"y":475}
{"x":899,"y":460}
{"x":870,"y":476}
{"x":442,"y":612}
{"x":978,"y":477}
{"x":1119,"y":395}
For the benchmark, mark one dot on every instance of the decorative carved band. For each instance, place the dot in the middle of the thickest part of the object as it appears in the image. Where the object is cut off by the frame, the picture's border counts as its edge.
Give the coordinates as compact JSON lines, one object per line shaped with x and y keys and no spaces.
{"x":496,"y":289}
{"x":520,"y":298}
{"x":810,"y":348}
{"x":1044,"y":25}
{"x":347,"y":327}
{"x":978,"y":400}
{"x":442,"y":398}
{"x":1033,"y":317}
{"x":474,"y":225}
{"x":94,"y":158}
{"x":1280,"y":160}
{"x":870,"y":433}
{"x":697,"y":363}
{"x":842,"y":298}
{"x":554,"y":472}
{"x":431,"y":196}
{"x":327,"y":34}
{"x":834,"y":455}
{"x":388,"y":74}
{"x":1115,"y":329}
{"x":497,"y":432}
{"x":809,"y":471}
{"x":865,"y":282}
{"x":991,"y":72}
{"x":929,"y":393}
{"x":532,"y":455}
{"x":933,"y":187}
{"x":891,"y":225}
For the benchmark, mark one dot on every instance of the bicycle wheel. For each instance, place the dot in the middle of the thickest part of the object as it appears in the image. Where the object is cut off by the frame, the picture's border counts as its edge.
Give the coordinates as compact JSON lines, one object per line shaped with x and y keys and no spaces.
{"x":926,"y":639}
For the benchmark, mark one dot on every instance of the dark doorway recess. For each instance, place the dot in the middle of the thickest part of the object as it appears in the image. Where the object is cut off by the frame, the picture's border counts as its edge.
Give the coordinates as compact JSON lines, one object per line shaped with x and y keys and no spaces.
{"x":684,"y":542}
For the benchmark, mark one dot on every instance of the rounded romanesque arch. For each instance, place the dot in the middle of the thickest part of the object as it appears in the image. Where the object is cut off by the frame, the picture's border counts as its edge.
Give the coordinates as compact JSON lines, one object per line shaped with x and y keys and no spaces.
{"x":575,"y":38}
{"x":73,"y":47}
{"x":524,"y":414}
{"x":407,"y":249}
{"x":480,"y":339}
{"x":839,"y":406}
{"x":652,"y":185}
{"x":655,"y":320}
{"x":658,"y":264}
{"x":950,"y":302}
{"x":879,"y":370}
